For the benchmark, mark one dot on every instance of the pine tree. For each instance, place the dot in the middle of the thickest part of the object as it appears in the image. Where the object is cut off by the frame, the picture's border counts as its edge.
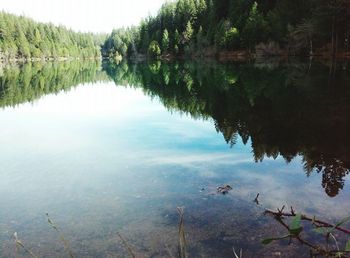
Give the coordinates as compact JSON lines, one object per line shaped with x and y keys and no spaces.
{"x":188,"y":33}
{"x":165,"y":41}
{"x":177,"y":42}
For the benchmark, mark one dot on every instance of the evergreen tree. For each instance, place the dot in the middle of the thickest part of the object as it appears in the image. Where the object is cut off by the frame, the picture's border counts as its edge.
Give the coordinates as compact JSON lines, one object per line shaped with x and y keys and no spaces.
{"x":188,"y":33}
{"x":255,"y":29}
{"x":165,"y":41}
{"x":154,"y":49}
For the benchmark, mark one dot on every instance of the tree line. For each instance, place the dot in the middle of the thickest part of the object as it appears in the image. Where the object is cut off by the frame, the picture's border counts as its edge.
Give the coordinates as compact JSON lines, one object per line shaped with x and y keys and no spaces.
{"x":23,"y":38}
{"x":206,"y":27}
{"x":190,"y":28}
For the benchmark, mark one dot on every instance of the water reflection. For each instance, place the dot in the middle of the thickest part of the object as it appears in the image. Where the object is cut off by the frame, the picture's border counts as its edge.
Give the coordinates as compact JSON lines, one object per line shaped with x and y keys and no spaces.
{"x":285,"y":109}
{"x":30,"y":81}
{"x":107,"y":158}
{"x":289,"y":110}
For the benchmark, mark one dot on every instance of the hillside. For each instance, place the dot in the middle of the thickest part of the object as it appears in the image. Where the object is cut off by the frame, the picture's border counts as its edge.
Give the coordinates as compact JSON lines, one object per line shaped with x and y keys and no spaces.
{"x":190,"y":28}
{"x":23,"y":38}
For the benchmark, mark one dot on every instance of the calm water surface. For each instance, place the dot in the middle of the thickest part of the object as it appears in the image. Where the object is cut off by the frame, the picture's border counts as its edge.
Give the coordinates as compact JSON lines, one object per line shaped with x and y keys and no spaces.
{"x":117,"y":148}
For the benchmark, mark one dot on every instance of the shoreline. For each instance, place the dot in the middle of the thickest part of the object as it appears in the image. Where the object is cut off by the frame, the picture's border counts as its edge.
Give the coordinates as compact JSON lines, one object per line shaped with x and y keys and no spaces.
{"x":242,"y":55}
{"x":43,"y":60}
{"x":222,"y":56}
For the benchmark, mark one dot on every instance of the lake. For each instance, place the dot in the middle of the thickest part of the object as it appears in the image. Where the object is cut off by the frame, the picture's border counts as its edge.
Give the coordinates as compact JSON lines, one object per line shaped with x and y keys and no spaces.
{"x":110,"y":151}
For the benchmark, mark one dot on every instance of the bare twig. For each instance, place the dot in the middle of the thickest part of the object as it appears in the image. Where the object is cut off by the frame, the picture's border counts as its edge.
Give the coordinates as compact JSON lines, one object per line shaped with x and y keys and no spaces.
{"x":256,"y":200}
{"x":292,"y":211}
{"x":280,"y":211}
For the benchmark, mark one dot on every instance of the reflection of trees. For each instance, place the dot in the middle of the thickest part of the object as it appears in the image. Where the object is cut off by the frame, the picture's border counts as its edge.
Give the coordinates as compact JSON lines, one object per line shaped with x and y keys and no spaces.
{"x":19,"y":84}
{"x":285,"y":110}
{"x":333,"y":171}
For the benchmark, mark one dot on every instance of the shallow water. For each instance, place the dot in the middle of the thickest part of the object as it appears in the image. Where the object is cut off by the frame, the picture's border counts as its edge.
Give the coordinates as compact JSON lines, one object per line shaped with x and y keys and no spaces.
{"x":103,"y":157}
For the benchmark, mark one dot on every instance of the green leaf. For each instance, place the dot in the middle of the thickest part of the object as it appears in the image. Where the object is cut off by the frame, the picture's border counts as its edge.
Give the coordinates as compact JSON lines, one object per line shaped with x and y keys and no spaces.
{"x":296,"y":222}
{"x":295,"y":226}
{"x":342,"y":221}
{"x":270,"y":240}
{"x":296,"y":232}
{"x":347,"y":247}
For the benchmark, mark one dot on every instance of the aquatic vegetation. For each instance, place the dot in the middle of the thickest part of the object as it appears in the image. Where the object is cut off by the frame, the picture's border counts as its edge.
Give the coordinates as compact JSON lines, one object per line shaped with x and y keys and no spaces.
{"x":295,"y":228}
{"x":63,"y":239}
{"x":21,"y":245}
{"x":182,"y":237}
{"x":291,"y":221}
{"x":182,"y":244}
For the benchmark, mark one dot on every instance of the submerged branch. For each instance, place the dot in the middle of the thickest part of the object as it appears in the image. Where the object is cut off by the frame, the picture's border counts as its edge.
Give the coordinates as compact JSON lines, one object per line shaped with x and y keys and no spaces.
{"x":316,"y":222}
{"x":126,"y":245}
{"x":182,"y":237}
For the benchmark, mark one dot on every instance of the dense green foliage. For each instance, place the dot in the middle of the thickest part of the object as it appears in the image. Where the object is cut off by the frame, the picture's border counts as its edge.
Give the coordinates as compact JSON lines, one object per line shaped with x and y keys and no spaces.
{"x":188,"y":27}
{"x":22,"y":38}
{"x":154,"y":49}
{"x":193,"y":28}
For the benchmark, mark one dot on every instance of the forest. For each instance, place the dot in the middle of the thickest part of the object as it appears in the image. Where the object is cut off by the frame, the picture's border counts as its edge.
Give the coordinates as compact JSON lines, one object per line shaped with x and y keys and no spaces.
{"x":197,"y":28}
{"x":23,"y":38}
{"x":194,"y":28}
